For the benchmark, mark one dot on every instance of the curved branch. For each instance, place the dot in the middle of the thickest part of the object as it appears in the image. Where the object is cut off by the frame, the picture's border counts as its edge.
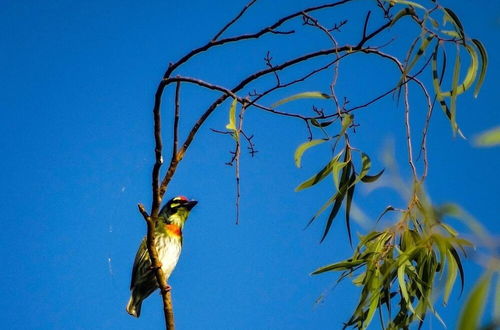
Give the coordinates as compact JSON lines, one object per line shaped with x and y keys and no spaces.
{"x":269,"y":29}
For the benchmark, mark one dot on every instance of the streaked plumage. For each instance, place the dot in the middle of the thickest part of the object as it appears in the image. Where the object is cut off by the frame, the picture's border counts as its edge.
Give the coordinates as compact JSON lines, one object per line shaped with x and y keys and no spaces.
{"x":168,"y":232}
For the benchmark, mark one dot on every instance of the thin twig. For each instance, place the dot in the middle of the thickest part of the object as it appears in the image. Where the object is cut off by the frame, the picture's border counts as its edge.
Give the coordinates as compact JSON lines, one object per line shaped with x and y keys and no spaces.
{"x":269,"y":29}
{"x":175,"y":145}
{"x":365,"y":25}
{"x":243,"y":10}
{"x":408,"y":132}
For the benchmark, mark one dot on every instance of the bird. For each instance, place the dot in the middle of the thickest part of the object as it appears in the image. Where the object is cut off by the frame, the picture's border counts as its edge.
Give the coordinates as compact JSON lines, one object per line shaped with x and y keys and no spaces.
{"x":168,"y":234}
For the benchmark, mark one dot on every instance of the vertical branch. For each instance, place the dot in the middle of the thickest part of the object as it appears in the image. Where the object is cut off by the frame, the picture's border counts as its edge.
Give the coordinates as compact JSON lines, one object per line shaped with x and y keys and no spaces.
{"x":237,"y":154}
{"x":423,"y":147}
{"x":153,"y":218}
{"x":156,"y":266}
{"x":176,"y":121}
{"x":155,"y":207}
{"x":408,"y":131}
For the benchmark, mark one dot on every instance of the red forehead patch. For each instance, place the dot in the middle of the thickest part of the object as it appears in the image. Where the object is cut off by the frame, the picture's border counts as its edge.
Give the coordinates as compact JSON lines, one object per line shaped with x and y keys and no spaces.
{"x":182,"y":198}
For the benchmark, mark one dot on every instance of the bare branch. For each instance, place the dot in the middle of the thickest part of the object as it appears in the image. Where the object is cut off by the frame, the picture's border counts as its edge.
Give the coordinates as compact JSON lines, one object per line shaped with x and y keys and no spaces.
{"x":243,"y":10}
{"x":408,"y":131}
{"x":269,"y":29}
{"x":176,"y":120}
{"x":156,"y":266}
{"x":365,"y":26}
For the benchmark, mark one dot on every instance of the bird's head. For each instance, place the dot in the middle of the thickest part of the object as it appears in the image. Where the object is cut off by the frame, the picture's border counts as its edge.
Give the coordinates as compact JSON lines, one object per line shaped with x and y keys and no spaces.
{"x":176,"y":210}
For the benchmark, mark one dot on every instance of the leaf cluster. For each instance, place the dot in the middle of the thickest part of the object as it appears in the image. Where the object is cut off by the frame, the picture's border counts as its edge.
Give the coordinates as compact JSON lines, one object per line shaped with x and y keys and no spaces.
{"x":397,"y":268}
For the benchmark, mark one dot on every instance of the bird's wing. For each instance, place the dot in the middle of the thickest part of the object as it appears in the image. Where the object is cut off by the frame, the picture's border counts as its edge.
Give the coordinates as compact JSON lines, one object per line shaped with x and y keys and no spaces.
{"x":142,"y":264}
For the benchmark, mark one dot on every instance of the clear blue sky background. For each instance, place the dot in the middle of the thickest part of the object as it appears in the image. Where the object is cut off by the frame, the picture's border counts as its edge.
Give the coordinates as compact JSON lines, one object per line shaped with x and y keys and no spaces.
{"x":76,"y":93}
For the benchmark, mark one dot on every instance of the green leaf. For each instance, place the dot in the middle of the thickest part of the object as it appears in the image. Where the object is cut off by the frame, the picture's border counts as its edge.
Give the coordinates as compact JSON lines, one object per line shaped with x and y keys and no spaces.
{"x":324,"y":207}
{"x":402,"y":13}
{"x":343,"y":265}
{"x":366,"y":164}
{"x":316,"y":123}
{"x":474,"y":306}
{"x":372,"y":178}
{"x":374,"y":300}
{"x":304,"y":95}
{"x":456,"y":257}
{"x":232,"y":116}
{"x":489,"y":138}
{"x":437,"y":89}
{"x":453,"y":34}
{"x":350,"y":195}
{"x":454,"y":93}
{"x":470,"y":77}
{"x":325,"y":171}
{"x":333,"y":213}
{"x":346,"y":122}
{"x":387,"y":209}
{"x":484,"y":65}
{"x":421,"y":51}
{"x":359,"y":280}
{"x":450,"y":16}
{"x":496,"y":306}
{"x":451,"y":278}
{"x":336,"y":170}
{"x":303,"y":147}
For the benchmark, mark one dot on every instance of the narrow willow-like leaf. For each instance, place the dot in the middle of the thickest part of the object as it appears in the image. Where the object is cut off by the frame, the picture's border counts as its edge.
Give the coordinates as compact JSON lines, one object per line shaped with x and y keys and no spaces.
{"x":303,"y":147}
{"x":450,"y":16}
{"x":348,"y":203}
{"x":324,"y":207}
{"x":323,"y":173}
{"x":421,"y":50}
{"x":337,"y":167}
{"x":304,"y":95}
{"x":454,"y":92}
{"x":456,"y":257}
{"x":372,"y":178}
{"x":470,"y":77}
{"x":374,"y":300}
{"x":232,"y":116}
{"x":472,"y":311}
{"x":489,"y":138}
{"x":402,"y":283}
{"x":369,"y":237}
{"x":449,"y":229}
{"x":387,"y":209}
{"x":366,"y":164}
{"x":333,"y":213}
{"x":316,"y":123}
{"x":402,"y":13}
{"x":437,"y":88}
{"x":484,"y":65}
{"x":343,"y":265}
{"x":453,"y":34}
{"x":496,"y":305}
{"x":345,"y":183}
{"x":451,"y":278}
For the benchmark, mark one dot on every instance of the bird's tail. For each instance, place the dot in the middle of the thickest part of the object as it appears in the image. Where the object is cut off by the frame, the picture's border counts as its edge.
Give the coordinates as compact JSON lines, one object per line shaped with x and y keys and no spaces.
{"x":134,"y":307}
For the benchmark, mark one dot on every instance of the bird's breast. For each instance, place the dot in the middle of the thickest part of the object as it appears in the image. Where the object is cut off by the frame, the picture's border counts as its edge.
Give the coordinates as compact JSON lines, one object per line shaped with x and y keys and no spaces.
{"x":169,"y":250}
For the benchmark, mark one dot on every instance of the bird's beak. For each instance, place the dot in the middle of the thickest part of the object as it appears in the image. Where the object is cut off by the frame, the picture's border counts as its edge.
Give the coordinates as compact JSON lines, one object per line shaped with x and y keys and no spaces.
{"x":190,"y":204}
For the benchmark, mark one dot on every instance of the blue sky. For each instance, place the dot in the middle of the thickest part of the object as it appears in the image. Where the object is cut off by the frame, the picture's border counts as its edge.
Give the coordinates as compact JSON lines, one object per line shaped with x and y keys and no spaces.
{"x":77,"y":87}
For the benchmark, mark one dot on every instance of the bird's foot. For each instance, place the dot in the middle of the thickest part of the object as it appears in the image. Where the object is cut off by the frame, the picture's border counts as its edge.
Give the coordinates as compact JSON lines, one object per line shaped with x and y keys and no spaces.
{"x":167,"y":289}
